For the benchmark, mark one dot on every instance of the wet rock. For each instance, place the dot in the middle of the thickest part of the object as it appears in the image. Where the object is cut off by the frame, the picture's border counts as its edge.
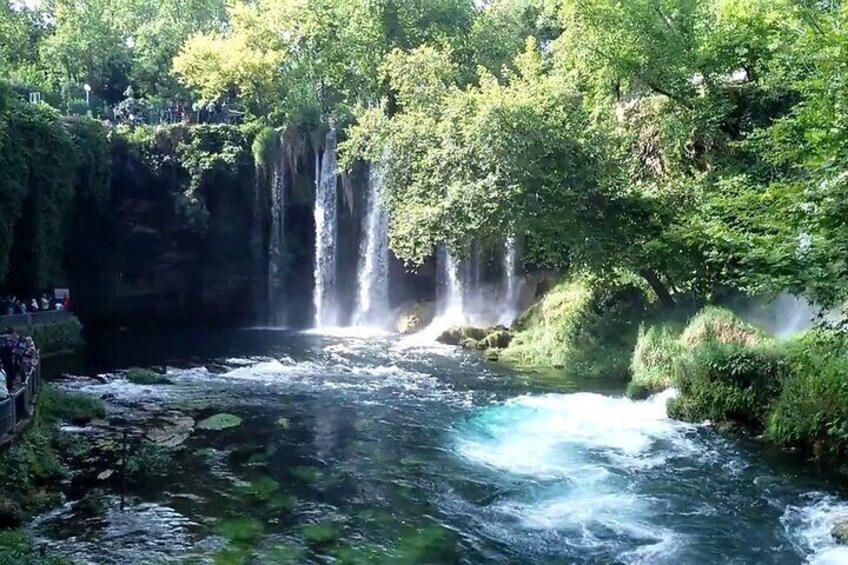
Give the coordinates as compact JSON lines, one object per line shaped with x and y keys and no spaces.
{"x":11,"y":515}
{"x":141,"y":376}
{"x":493,"y":355}
{"x":839,"y":531}
{"x":414,"y":317}
{"x":469,"y":343}
{"x":456,"y":335}
{"x":498,"y":339}
{"x":220,"y":422}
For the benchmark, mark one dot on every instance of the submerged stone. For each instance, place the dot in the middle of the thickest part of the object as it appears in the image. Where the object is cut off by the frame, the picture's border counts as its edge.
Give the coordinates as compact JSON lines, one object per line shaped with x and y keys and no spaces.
{"x":220,"y":422}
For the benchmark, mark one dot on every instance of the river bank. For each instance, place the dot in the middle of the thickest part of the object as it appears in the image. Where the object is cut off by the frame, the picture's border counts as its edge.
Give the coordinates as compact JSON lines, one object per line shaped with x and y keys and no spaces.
{"x":369,"y":450}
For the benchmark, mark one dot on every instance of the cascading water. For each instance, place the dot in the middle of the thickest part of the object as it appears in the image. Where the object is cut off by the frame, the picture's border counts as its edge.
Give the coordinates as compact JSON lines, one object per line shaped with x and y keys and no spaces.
{"x":451,"y":298}
{"x":276,"y":252}
{"x":373,"y":280}
{"x":326,"y":217}
{"x":510,"y":286}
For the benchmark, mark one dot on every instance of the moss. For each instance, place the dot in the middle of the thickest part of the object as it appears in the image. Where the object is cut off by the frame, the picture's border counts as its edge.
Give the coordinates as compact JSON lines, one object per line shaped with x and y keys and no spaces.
{"x":146,"y":377}
{"x":241,"y":530}
{"x":585,"y":327}
{"x":150,"y":461}
{"x":320,"y":534}
{"x":59,"y":405}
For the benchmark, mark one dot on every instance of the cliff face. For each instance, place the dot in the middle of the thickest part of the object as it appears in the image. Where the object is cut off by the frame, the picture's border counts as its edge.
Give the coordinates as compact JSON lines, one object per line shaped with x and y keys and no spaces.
{"x":179,"y":230}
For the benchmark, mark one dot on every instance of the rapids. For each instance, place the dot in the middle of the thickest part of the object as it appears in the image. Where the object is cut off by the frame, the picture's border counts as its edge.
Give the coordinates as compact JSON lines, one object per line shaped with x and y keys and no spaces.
{"x":398,"y":453}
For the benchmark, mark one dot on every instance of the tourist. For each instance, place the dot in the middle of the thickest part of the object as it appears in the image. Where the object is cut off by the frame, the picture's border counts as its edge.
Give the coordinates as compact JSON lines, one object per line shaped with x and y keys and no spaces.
{"x":33,"y":305}
{"x":45,"y":302}
{"x":4,"y":386}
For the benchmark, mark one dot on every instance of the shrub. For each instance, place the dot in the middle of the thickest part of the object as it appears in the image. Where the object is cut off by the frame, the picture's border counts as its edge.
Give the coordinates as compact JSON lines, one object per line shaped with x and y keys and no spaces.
{"x":730,"y":383}
{"x":812,"y":410}
{"x":719,"y":324}
{"x":149,"y":461}
{"x":658,"y":361}
{"x":587,"y":329}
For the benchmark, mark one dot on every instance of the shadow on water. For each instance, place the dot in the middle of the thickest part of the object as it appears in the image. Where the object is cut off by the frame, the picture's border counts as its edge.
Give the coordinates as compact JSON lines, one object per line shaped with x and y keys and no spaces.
{"x":361,"y":450}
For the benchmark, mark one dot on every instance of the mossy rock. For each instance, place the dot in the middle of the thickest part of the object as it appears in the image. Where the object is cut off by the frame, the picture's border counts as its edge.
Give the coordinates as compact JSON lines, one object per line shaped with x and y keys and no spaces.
{"x":415,"y":317}
{"x":457,"y":334}
{"x":220,"y":422}
{"x":141,"y":376}
{"x":240,"y":530}
{"x":498,"y":339}
{"x":318,"y":535}
{"x":470,"y":343}
{"x":493,"y":355}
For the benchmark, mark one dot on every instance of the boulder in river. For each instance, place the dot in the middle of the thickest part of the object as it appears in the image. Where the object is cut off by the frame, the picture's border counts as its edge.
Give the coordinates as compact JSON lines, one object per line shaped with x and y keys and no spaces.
{"x":458,"y":334}
{"x":839,"y":530}
{"x":414,"y":317}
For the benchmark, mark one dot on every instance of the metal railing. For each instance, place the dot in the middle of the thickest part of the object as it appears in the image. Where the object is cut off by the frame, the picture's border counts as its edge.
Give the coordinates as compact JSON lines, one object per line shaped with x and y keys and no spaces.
{"x":20,"y":405}
{"x":41,"y":317}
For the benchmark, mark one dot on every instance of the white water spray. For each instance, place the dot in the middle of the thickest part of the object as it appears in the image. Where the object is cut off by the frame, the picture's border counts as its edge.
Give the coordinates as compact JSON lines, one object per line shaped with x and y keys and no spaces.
{"x":326,"y":190}
{"x":510,"y":283}
{"x":276,"y":252}
{"x":372,"y":305}
{"x":451,"y":302}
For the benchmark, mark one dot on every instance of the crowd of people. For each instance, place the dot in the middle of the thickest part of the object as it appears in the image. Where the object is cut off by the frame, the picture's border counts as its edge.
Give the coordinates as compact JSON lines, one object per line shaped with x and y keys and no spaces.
{"x":12,"y":305}
{"x":18,"y":359}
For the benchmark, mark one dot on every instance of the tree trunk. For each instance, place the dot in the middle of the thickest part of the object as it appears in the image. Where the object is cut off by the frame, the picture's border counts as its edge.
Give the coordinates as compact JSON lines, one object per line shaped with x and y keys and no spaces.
{"x":658,"y":287}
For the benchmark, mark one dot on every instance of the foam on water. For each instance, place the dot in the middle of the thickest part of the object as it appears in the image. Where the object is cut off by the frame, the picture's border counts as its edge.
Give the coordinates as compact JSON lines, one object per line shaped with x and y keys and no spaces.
{"x":809,"y":526}
{"x":579,"y":452}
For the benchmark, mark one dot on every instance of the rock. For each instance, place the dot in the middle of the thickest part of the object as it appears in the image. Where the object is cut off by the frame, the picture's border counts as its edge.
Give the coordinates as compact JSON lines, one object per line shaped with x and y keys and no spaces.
{"x":456,"y":335}
{"x":493,"y":355}
{"x":11,"y":515}
{"x":498,"y":339}
{"x":220,"y":422}
{"x":414,"y":317}
{"x":839,"y":530}
{"x":469,"y":343}
{"x":105,"y":474}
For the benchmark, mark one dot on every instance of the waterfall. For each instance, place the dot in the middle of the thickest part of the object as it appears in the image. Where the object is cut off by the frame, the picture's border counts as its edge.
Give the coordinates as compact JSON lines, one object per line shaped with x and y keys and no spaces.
{"x":452,"y":296}
{"x":276,"y":252}
{"x":510,"y":286}
{"x":324,"y":298}
{"x":373,"y":280}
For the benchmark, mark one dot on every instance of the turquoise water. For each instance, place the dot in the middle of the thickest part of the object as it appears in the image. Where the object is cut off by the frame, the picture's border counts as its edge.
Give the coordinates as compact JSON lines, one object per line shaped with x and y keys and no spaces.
{"x":375,"y":450}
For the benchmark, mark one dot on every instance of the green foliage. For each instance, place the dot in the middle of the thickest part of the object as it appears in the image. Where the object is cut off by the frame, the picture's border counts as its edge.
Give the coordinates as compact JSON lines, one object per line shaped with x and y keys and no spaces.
{"x":812,"y":409}
{"x":658,"y":361}
{"x":16,"y":548}
{"x":149,"y":462}
{"x":730,"y":383}
{"x":264,"y":145}
{"x":585,"y":327}
{"x":241,"y":530}
{"x":61,"y":406}
{"x":56,"y":338}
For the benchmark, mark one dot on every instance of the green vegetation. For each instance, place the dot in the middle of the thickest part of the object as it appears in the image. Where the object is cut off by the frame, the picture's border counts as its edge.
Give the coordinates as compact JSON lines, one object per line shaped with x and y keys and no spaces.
{"x":588,"y":329}
{"x":141,"y":376}
{"x":55,"y":338}
{"x":219,"y":422}
{"x":792,"y":392}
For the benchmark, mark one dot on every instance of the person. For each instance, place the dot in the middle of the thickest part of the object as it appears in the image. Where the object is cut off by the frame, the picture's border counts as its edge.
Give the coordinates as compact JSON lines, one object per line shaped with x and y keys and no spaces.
{"x":210,"y":112}
{"x":33,"y":305}
{"x":4,"y":387}
{"x":59,"y":306}
{"x":45,"y":302}
{"x":225,"y":112}
{"x":7,"y":360}
{"x":66,"y":303}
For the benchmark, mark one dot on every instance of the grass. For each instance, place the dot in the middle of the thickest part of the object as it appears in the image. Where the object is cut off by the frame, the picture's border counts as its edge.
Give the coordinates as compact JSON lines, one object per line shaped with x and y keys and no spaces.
{"x":587,"y":329}
{"x":58,"y":405}
{"x":658,"y":361}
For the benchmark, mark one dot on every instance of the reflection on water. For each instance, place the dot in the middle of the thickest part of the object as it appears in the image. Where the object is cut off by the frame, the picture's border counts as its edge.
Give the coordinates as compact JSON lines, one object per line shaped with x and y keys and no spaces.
{"x":367,"y":449}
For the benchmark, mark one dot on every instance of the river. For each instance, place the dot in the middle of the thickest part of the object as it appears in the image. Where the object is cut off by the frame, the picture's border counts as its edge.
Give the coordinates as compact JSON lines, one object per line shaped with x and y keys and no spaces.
{"x":374,"y":449}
